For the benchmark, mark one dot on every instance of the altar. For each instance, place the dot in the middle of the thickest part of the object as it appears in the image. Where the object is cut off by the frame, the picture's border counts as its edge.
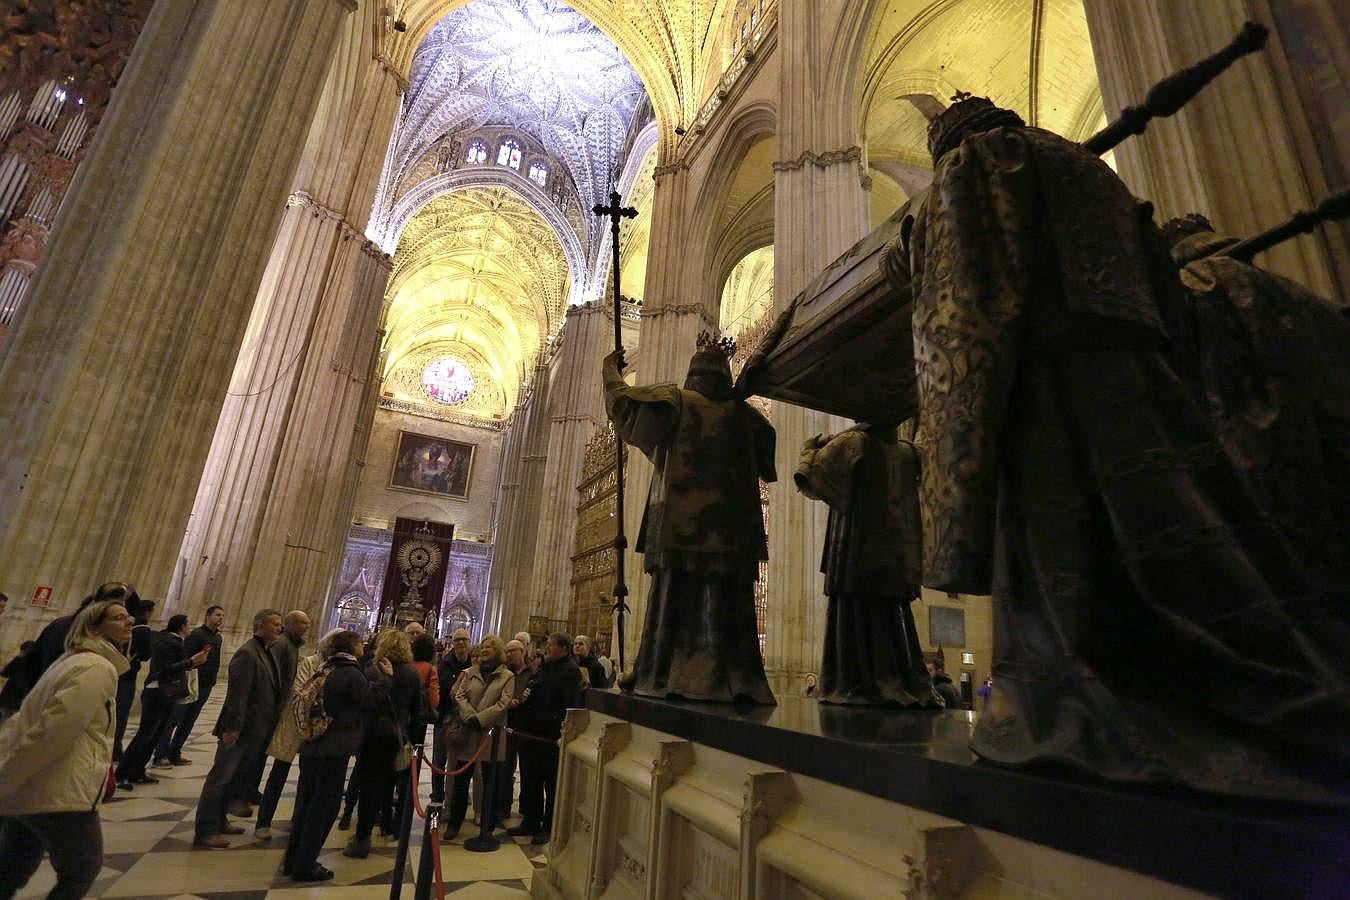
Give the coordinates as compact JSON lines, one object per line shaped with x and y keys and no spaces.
{"x":803,"y":800}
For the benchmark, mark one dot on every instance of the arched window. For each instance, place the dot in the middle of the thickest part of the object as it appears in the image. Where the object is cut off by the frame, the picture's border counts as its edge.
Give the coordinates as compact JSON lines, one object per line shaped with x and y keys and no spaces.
{"x":353,"y":614}
{"x":538,"y":173}
{"x":477,"y":152}
{"x":509,"y":154}
{"x":457,"y":616}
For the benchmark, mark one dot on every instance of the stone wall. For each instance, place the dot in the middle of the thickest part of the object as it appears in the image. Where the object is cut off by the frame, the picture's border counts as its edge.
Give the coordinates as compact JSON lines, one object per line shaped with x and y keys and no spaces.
{"x":378,"y":505}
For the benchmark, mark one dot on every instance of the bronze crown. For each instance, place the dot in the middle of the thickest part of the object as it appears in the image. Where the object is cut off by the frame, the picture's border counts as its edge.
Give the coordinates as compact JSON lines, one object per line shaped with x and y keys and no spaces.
{"x":967,"y":115}
{"x":709,"y":343}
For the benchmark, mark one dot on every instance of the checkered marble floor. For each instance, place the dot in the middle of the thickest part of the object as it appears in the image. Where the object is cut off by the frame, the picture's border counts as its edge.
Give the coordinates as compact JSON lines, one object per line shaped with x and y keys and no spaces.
{"x":148,"y":853}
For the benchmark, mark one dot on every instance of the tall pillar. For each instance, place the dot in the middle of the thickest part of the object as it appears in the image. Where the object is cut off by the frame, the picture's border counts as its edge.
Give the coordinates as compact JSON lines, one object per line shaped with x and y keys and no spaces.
{"x":112,"y":382}
{"x":274,"y":507}
{"x":576,"y":409}
{"x":511,"y":597}
{"x":820,"y":210}
{"x":1230,"y":153}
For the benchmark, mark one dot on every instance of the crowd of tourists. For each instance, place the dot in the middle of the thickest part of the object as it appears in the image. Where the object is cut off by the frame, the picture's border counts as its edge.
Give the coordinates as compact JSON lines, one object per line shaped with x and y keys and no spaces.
{"x":349,"y":713}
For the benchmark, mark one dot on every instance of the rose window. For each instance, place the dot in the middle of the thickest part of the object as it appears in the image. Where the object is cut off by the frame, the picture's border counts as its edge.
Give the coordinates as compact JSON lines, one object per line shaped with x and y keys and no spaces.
{"x":447,"y":380}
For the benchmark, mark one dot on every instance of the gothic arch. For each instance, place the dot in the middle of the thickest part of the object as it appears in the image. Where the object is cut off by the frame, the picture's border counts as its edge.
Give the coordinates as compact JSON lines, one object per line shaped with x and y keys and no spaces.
{"x":636,"y":44}
{"x":644,"y":144}
{"x":462,"y":180}
{"x":731,"y":233}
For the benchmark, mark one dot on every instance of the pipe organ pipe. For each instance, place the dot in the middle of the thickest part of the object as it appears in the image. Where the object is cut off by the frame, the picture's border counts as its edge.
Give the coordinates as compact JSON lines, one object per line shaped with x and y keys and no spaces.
{"x":72,"y":136}
{"x":41,"y":207}
{"x":13,"y":179}
{"x":46,"y":106}
{"x":9,"y":113}
{"x":13,"y":288}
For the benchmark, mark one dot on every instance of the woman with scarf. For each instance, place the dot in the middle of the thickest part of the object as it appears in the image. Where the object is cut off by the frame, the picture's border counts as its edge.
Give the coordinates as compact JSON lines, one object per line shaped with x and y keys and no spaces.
{"x":54,"y":758}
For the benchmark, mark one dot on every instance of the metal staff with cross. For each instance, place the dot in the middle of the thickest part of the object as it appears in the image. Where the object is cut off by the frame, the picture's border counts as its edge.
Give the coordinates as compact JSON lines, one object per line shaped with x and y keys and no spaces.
{"x":616,"y":212}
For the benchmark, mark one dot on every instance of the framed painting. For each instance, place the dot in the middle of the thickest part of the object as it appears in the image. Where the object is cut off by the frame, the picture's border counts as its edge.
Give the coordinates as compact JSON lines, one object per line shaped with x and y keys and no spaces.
{"x":432,"y":465}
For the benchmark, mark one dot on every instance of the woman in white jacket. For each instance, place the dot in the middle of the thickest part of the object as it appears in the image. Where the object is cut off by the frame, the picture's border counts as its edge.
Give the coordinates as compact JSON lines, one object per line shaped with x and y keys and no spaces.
{"x":54,"y":757}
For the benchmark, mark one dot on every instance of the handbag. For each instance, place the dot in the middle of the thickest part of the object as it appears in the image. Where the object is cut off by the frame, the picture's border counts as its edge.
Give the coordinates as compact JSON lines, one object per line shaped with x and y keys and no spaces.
{"x":402,"y":759}
{"x":110,"y":786}
{"x":191,"y":687}
{"x":174,"y":691}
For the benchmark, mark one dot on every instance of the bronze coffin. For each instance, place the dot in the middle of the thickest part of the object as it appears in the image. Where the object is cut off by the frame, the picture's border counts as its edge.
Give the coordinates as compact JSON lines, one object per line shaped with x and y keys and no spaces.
{"x":848,"y":349}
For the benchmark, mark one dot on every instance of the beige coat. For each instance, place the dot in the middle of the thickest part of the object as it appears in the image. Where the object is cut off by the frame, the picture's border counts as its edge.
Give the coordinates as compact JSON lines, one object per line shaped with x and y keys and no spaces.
{"x":286,"y":737}
{"x":482,"y":702}
{"x":54,"y":752}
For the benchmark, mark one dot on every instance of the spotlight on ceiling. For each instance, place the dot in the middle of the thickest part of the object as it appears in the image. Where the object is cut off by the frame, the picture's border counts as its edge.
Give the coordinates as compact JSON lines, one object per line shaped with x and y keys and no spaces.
{"x":679,"y":129}
{"x":400,"y":26}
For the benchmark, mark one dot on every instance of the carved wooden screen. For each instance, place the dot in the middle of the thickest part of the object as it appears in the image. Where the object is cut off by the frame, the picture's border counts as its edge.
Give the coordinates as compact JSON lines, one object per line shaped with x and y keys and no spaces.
{"x":593,"y":559}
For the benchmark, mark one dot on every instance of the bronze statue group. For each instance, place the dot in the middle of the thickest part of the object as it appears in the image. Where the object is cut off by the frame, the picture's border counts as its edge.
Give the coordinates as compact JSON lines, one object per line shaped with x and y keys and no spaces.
{"x":1138,"y":445}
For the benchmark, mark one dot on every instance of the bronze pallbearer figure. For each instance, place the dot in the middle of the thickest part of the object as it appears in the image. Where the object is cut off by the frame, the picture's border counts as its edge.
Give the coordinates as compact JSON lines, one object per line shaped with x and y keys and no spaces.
{"x":1150,"y":623}
{"x":702,"y":534}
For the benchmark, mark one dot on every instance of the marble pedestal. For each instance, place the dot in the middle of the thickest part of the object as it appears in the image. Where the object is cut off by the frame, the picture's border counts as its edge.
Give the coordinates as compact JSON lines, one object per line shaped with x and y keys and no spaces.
{"x":803,"y":800}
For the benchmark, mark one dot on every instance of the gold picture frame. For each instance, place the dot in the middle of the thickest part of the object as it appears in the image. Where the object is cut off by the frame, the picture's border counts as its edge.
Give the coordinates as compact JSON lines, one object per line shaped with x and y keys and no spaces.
{"x":424,"y":464}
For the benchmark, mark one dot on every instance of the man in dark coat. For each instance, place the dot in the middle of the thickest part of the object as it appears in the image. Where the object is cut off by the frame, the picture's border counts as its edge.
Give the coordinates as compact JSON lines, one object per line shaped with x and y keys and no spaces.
{"x":252,"y":705}
{"x":595,"y":673}
{"x":170,"y":749}
{"x":554,"y":689}
{"x":453,"y":662}
{"x":286,"y":651}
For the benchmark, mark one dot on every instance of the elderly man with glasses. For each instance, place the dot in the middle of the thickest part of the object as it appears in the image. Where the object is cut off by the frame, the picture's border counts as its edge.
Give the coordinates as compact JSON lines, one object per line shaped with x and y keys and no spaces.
{"x":453,"y":662}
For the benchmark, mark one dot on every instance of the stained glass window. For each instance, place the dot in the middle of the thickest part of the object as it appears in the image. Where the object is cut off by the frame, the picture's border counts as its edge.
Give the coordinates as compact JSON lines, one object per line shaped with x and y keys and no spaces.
{"x":477,"y":152}
{"x":509,"y":154}
{"x":447,"y":380}
{"x":538,"y":173}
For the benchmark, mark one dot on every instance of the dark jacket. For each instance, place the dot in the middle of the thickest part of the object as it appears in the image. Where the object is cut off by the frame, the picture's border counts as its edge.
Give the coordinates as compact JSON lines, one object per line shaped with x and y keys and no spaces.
{"x":286,"y":652}
{"x":16,"y":674}
{"x":209,"y":671}
{"x":349,"y":696}
{"x":141,"y":648}
{"x":555,"y":688}
{"x":595,"y":671}
{"x":51,"y":643}
{"x":448,"y":671}
{"x":253,"y":696}
{"x":169,"y":661}
{"x":402,"y":700}
{"x":942,"y":683}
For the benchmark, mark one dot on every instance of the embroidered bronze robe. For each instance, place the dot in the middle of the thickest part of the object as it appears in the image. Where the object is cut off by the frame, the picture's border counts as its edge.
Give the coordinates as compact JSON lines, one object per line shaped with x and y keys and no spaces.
{"x":702,"y":538}
{"x":869,"y":480}
{"x":1149,"y":623}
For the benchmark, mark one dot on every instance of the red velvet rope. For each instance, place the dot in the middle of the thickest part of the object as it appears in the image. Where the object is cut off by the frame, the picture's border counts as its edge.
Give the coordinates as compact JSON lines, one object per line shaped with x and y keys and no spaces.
{"x":464,"y":768}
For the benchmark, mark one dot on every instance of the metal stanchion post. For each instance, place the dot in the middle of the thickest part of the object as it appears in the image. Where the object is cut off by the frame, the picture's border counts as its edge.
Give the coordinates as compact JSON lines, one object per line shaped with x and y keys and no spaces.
{"x":485,"y":842}
{"x":426,"y":864}
{"x":404,"y":832}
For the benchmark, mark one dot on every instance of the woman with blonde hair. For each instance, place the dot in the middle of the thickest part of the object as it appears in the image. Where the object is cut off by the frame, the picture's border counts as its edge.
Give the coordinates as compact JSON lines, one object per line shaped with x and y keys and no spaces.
{"x":481,"y":695}
{"x":54,"y":757}
{"x":386,"y":729}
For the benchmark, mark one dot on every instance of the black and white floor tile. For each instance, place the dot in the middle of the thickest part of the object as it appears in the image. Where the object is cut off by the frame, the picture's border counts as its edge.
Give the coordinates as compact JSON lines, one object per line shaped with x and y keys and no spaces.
{"x":148,"y":850}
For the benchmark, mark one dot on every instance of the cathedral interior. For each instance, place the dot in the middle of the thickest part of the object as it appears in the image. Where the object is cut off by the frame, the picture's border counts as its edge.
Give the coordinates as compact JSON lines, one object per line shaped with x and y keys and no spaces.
{"x":303,"y":304}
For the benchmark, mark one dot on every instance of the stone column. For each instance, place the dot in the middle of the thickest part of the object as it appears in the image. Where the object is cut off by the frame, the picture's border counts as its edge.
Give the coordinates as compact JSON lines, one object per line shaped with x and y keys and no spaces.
{"x":112,"y":382}
{"x":576,"y":409}
{"x":820,"y":210}
{"x":511,"y":597}
{"x":271,"y":516}
{"x":1231,"y":153}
